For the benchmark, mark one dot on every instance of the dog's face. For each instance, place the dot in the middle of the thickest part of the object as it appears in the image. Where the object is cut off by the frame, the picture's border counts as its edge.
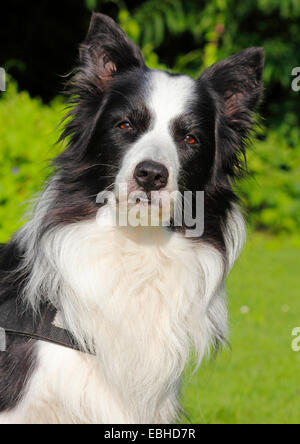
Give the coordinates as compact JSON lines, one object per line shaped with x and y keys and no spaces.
{"x":153,"y":130}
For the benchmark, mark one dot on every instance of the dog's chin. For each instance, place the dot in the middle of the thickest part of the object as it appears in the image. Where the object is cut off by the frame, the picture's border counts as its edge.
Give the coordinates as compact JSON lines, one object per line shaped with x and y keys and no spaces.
{"x":144,"y":210}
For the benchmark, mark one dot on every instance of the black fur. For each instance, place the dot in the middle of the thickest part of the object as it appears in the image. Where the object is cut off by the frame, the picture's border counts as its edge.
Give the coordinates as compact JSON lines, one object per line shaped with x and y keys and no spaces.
{"x":111,"y":86}
{"x":17,"y":363}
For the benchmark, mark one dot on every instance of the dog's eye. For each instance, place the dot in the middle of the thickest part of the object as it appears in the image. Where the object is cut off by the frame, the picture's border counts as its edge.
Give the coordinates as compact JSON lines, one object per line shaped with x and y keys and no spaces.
{"x":125,"y":126}
{"x":191,"y":140}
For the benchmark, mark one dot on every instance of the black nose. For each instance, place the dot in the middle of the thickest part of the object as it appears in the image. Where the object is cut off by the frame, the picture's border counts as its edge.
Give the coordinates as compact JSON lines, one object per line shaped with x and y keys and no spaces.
{"x":151,"y":175}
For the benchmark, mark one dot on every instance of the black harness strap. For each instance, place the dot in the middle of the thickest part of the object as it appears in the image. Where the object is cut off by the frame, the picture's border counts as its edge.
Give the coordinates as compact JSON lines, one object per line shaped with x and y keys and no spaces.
{"x":20,"y":320}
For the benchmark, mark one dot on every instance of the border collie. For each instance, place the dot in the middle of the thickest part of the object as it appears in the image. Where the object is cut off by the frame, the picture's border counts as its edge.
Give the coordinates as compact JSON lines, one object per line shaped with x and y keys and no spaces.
{"x":135,"y":299}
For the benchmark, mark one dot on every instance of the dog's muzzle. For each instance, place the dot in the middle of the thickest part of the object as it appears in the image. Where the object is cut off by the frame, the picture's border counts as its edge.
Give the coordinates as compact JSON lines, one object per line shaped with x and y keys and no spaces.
{"x":151,"y":176}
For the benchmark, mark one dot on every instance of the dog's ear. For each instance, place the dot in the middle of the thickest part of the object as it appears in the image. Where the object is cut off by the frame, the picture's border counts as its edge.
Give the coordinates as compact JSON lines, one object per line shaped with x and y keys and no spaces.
{"x":237,"y":80}
{"x":107,"y":51}
{"x":236,"y":85}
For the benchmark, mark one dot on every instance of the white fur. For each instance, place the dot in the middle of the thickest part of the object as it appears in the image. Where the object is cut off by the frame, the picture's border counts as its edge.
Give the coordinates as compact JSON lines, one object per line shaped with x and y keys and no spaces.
{"x":142,"y":298}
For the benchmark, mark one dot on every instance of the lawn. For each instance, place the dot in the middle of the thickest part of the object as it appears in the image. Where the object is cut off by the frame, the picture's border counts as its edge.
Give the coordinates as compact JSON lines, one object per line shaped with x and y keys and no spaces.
{"x":258,"y":379}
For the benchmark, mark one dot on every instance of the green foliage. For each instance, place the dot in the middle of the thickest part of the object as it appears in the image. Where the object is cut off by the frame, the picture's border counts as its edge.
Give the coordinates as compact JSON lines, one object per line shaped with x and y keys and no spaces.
{"x":272,"y":193}
{"x":27,"y":134}
{"x":91,"y":4}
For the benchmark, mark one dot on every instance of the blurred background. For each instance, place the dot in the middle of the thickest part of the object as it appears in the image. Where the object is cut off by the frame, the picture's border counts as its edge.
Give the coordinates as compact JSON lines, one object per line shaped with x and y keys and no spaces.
{"x":257,"y":380}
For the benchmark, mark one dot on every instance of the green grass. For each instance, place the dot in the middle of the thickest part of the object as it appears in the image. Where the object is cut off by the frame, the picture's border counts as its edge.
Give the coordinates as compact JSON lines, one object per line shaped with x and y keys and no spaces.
{"x":258,"y":380}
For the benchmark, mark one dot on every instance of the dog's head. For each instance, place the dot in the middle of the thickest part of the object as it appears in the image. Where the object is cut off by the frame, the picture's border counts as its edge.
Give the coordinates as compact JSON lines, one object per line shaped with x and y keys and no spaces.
{"x":153,"y":130}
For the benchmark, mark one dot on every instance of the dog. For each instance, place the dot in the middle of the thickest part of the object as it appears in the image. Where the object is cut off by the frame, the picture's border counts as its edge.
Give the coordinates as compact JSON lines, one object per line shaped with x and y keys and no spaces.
{"x":135,"y":299}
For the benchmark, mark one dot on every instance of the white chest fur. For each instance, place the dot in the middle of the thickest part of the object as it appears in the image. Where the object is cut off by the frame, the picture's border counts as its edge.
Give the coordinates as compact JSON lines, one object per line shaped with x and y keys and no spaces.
{"x":142,"y":300}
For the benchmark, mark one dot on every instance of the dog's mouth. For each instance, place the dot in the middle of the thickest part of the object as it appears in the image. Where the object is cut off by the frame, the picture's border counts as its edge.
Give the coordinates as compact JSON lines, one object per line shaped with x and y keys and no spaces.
{"x":140,"y":198}
{"x":147,"y":199}
{"x":149,"y":208}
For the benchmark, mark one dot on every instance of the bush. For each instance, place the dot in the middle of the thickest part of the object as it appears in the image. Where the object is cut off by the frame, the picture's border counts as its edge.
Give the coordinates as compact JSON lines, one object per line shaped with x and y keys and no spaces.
{"x":272,"y":192}
{"x":28,"y":137}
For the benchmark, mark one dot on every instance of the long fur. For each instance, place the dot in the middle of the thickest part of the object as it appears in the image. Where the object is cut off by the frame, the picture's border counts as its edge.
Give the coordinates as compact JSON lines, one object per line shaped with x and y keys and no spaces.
{"x":140,"y":298}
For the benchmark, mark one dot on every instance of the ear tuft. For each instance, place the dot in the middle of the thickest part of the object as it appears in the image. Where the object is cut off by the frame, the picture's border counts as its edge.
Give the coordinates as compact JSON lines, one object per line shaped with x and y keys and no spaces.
{"x":107,"y":50}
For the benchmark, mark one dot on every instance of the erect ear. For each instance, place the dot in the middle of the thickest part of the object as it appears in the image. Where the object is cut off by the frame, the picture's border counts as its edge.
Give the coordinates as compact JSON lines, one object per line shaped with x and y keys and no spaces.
{"x":237,"y":80}
{"x":236,"y":85}
{"x":107,"y":50}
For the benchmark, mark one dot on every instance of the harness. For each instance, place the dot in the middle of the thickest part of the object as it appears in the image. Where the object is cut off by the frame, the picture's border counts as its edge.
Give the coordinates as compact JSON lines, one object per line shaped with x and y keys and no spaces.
{"x":16,"y":319}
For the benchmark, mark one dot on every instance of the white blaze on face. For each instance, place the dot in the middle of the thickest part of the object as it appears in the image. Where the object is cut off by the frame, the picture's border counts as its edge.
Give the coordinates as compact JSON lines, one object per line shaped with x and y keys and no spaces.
{"x":168,"y":99}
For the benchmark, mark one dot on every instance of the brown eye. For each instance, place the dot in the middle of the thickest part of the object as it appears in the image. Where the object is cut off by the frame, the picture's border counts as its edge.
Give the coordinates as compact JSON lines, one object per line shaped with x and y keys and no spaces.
{"x":125,"y":126}
{"x":191,"y":140}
